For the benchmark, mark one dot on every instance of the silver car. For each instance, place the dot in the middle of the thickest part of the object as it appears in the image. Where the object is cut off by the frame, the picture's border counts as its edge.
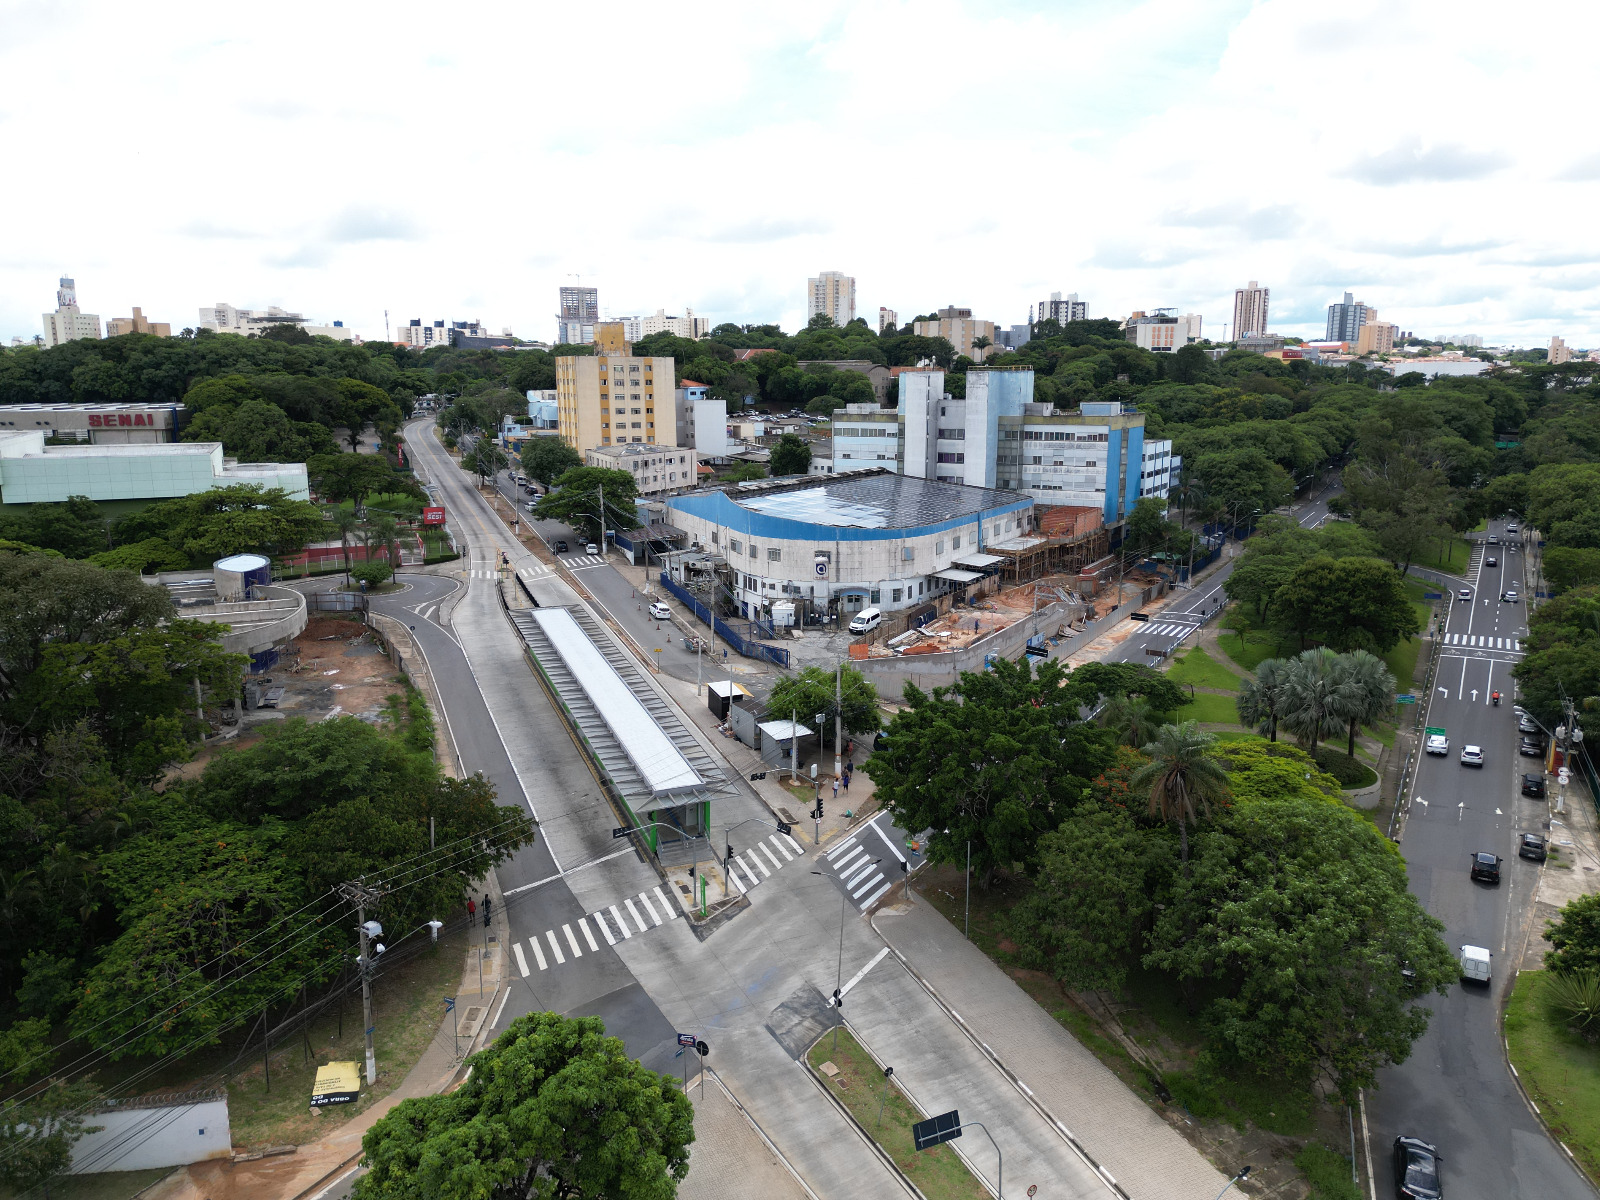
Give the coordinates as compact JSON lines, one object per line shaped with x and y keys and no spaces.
{"x":1472,"y":756}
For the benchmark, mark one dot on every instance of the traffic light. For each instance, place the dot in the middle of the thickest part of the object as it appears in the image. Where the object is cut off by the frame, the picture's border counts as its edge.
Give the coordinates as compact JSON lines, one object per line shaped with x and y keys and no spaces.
{"x":691,"y":871}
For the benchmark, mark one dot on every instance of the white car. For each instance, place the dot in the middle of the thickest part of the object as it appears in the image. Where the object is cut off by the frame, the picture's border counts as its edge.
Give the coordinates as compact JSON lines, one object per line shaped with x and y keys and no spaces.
{"x":1437,"y":743}
{"x":591,"y":548}
{"x":660,"y":612}
{"x":1472,"y":756}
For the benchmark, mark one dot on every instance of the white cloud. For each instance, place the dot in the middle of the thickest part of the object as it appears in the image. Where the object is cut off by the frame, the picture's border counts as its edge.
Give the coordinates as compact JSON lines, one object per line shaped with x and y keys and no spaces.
{"x":942,"y":151}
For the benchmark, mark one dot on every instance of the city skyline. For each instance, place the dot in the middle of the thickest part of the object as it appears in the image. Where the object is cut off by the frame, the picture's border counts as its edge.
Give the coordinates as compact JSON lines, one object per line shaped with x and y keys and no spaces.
{"x":1482,"y":231}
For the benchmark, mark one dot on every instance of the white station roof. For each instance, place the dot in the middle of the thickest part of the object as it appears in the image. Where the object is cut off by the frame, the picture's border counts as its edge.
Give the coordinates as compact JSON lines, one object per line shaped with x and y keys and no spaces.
{"x":659,"y":763}
{"x":782,"y":731}
{"x":955,"y":576}
{"x":978,"y":560}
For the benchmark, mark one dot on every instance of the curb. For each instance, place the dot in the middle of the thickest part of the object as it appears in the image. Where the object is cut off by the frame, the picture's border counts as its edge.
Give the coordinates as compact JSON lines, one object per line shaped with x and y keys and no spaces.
{"x":1010,"y":1075}
{"x":872,"y":1143}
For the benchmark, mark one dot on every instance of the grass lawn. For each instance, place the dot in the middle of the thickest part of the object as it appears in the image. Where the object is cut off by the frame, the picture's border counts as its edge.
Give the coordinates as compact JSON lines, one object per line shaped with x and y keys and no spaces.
{"x":1451,"y":556}
{"x":109,"y":1185}
{"x":860,"y":1086}
{"x":1199,"y":668}
{"x":1206,"y":707}
{"x":1560,"y":1070}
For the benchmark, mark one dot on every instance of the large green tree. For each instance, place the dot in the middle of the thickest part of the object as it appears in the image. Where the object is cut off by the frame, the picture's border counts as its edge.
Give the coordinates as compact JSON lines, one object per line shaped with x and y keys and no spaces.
{"x":811,"y":692}
{"x":581,"y":493}
{"x":996,"y":758}
{"x":243,"y":517}
{"x":1347,"y":603}
{"x":553,"y":1108}
{"x":792,"y":454}
{"x":548,"y":458}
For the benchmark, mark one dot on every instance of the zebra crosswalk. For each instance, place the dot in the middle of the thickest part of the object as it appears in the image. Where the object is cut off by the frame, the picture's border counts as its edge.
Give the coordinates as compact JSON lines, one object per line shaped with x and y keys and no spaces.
{"x":1483,"y":643}
{"x":615,"y":923}
{"x":858,"y":863}
{"x":746,"y":876}
{"x":1168,"y":629}
{"x":579,"y":561}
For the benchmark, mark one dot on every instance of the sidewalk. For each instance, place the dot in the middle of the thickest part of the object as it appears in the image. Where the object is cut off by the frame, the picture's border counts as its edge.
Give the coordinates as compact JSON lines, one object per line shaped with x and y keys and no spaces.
{"x":1113,"y":1126}
{"x":730,"y":1159}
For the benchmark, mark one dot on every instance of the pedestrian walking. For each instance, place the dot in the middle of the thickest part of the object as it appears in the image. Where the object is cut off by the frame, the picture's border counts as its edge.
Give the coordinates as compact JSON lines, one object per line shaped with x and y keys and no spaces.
{"x":472,"y":909}
{"x":486,"y":903}
{"x":847,"y":781}
{"x":835,"y":789}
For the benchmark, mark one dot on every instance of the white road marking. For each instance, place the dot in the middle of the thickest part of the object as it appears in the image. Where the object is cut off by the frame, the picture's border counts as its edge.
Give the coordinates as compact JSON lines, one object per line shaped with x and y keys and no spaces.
{"x":834,"y":853}
{"x":605,"y":929}
{"x":782,"y":849}
{"x":762,"y":846}
{"x":649,"y":908}
{"x":841,"y":864}
{"x":634,"y":913}
{"x":872,"y":899}
{"x":670,"y":909}
{"x":888,"y":841}
{"x":621,"y":923}
{"x":522,"y":962}
{"x":583,"y":924}
{"x":862,"y":890}
{"x":555,"y":946}
{"x":572,"y":940}
{"x":537,"y":953}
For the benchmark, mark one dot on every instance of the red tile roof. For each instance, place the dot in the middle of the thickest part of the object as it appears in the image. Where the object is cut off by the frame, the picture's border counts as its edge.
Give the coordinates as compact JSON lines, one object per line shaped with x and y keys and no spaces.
{"x":742,"y":355}
{"x":691,"y":383}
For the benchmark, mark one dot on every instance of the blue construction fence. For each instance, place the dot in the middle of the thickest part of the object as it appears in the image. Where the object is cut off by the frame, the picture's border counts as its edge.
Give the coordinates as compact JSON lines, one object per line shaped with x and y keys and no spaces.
{"x":1199,"y":564}
{"x":744,"y":644}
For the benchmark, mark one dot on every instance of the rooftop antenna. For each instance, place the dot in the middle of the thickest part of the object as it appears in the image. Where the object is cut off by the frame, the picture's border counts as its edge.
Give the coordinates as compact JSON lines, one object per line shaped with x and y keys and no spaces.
{"x":386,"y":336}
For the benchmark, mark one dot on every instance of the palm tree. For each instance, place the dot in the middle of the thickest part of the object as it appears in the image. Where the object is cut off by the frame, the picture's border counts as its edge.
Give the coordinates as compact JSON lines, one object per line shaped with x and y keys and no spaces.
{"x":384,"y":531}
{"x":1371,"y":686}
{"x":1261,"y":699}
{"x":1132,"y":717}
{"x":1317,"y":696}
{"x":1183,"y":778}
{"x":346,"y":522}
{"x":980,"y":344}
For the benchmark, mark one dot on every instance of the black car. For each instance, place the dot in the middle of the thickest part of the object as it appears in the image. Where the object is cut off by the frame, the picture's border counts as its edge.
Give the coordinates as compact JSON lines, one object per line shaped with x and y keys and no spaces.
{"x":1416,"y":1170}
{"x":1532,"y":846}
{"x":1531,"y":747}
{"x":561,"y":547}
{"x":1486,"y":867}
{"x":1533,"y":785}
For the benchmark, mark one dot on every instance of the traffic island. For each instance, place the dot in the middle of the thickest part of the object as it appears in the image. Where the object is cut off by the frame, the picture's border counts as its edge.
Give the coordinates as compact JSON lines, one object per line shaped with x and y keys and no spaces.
{"x":885,"y":1115}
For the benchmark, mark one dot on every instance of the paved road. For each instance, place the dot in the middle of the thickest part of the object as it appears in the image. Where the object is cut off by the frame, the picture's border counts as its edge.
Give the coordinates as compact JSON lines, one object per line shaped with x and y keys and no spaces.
{"x":1455,"y":1090}
{"x":1179,"y":620}
{"x":509,"y":730}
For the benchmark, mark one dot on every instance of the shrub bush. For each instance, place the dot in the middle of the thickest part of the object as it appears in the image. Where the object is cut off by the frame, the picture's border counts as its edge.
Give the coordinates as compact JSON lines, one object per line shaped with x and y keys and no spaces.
{"x":1350,"y":772}
{"x":1328,"y":1173}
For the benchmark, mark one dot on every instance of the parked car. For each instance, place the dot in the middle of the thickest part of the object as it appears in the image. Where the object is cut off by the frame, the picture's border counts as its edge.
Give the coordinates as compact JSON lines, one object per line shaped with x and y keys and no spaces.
{"x":1474,"y":962}
{"x":1531,"y":746}
{"x":1437,"y":743}
{"x":866,"y":620}
{"x":1526,"y":723}
{"x":1486,"y":867}
{"x":591,"y":548}
{"x":1491,"y":562}
{"x":1532,"y":846}
{"x":561,"y":547}
{"x":660,"y":612}
{"x":1472,"y":756}
{"x":1533,"y":785}
{"x":1464,"y":595}
{"x":1416,"y":1170}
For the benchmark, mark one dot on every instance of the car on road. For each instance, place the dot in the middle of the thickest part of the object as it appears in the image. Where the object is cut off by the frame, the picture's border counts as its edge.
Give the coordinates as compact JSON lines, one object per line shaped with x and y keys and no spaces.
{"x":1533,"y":785}
{"x":591,"y":548}
{"x":1464,"y":595}
{"x":1474,"y":962}
{"x":1494,"y":540}
{"x":1491,"y":562}
{"x":1508,"y":597}
{"x":561,"y":547}
{"x":1511,"y":528}
{"x":1416,"y":1170}
{"x":530,"y":505}
{"x":1532,"y":846}
{"x":1531,"y":746}
{"x":1472,"y":756}
{"x":660,"y":612}
{"x":1486,"y":867}
{"x":1437,"y":743}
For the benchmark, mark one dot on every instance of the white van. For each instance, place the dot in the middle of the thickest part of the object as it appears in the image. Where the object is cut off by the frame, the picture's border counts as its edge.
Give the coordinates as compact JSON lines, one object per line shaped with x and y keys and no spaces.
{"x":1475,"y":965}
{"x":866,"y":620}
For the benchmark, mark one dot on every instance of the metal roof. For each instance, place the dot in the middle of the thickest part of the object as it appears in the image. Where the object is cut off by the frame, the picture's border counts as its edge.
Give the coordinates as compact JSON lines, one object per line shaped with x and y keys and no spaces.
{"x":876,"y":501}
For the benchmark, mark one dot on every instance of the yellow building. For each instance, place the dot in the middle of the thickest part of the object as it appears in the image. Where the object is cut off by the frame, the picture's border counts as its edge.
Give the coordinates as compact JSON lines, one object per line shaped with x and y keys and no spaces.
{"x":1375,"y":337}
{"x":609,"y":398}
{"x":117,"y":326}
{"x":957,"y":327}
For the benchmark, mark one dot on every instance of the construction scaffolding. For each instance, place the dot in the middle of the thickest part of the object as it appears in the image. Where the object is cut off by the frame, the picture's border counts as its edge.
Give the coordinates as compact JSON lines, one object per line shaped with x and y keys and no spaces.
{"x":1028,"y":558}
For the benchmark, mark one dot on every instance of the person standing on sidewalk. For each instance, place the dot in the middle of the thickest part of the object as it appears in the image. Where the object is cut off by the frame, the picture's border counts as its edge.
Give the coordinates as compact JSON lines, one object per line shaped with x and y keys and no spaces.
{"x":472,"y":909}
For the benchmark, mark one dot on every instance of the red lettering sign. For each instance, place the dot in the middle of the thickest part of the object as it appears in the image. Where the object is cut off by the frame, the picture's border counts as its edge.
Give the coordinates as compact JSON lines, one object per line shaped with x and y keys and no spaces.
{"x":124,"y":419}
{"x":94,"y":420}
{"x":433,"y":516}
{"x":139,"y":419}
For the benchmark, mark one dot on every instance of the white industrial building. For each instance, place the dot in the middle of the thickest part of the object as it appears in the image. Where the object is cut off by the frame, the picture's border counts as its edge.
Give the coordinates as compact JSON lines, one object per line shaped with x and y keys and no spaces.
{"x":34,"y":473}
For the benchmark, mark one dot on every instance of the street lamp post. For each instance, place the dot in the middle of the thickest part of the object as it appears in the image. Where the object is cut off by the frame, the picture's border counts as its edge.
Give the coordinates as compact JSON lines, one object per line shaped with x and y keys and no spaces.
{"x":838,"y":985}
{"x":1244,"y":1173}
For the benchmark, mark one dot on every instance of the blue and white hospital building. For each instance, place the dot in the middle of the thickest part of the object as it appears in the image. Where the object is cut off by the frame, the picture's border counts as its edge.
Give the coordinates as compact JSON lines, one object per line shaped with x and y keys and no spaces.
{"x":865,"y":540}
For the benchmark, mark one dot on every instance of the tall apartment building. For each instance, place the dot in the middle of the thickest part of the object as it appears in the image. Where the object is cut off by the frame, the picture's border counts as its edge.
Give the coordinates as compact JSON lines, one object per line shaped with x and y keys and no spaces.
{"x":1162,"y":330}
{"x":421,"y":334}
{"x":1466,"y":339}
{"x":117,"y":326}
{"x":1375,"y":336}
{"x":888,"y":319}
{"x":580,"y":311}
{"x":1559,"y":351}
{"x":68,"y":323}
{"x":1346,"y":319}
{"x":1061,"y":311}
{"x":998,"y":437}
{"x":611,"y":397}
{"x":1249,"y":310}
{"x":686,"y":326}
{"x":834,"y":293}
{"x":957,"y":327}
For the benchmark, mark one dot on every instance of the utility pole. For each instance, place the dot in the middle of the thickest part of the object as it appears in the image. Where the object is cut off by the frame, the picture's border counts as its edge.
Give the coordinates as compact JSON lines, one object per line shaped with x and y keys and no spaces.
{"x":600,"y":491}
{"x":359,"y":894}
{"x":838,"y":720}
{"x":794,"y":746}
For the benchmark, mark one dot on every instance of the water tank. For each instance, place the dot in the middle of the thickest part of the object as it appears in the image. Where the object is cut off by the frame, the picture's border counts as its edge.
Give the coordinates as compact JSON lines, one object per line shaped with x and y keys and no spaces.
{"x":235,"y":574}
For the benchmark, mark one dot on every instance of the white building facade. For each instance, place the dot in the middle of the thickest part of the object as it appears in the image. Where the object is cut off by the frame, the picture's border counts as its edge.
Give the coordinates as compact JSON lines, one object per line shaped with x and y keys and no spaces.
{"x":686,"y":326}
{"x":68,"y":323}
{"x":225,"y":318}
{"x":834,"y":293}
{"x":1250,"y":310}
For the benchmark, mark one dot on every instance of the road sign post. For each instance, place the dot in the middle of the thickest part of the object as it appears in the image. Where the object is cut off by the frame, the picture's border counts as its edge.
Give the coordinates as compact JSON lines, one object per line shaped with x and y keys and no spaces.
{"x":947,"y":1127}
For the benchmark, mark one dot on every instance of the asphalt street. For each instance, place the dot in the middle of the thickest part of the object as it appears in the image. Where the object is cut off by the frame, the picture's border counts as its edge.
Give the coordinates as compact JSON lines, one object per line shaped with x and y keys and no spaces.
{"x":1455,"y":1090}
{"x":553,"y":774}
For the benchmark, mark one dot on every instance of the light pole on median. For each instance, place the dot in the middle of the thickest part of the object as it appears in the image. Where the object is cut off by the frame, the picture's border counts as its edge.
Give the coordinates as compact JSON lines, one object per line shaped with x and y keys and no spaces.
{"x":1244,"y":1173}
{"x":838,"y":985}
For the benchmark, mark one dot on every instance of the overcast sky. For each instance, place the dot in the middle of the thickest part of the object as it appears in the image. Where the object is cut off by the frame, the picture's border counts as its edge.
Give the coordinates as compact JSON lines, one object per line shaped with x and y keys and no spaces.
{"x":1440,"y":160}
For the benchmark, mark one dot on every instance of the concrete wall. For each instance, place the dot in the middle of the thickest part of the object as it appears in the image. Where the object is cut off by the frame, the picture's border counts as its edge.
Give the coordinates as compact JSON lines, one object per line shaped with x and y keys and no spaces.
{"x":256,"y":625}
{"x":137,"y":1139}
{"x":890,"y":675}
